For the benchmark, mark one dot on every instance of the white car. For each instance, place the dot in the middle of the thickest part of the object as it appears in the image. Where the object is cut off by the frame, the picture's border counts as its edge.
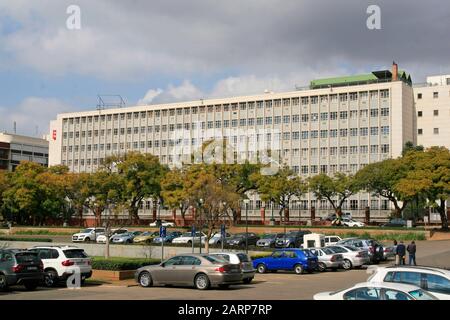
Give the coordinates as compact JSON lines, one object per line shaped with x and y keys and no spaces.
{"x":353,"y":257}
{"x":162,"y":223}
{"x":331,"y":240}
{"x":216,"y":239}
{"x":352,"y":223}
{"x":88,"y":234}
{"x":102,"y":238}
{"x":242,"y":259}
{"x":377,"y":291}
{"x":434,"y":280}
{"x":60,"y":262}
{"x":187,"y":238}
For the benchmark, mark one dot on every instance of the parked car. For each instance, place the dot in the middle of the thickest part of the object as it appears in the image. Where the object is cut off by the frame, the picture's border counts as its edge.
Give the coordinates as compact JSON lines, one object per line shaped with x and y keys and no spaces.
{"x":102,"y":238}
{"x":127,"y":237}
{"x":268,"y":240}
{"x":199,"y":270}
{"x":59,"y":262}
{"x":333,"y":216}
{"x":187,"y":238}
{"x":297,"y":260}
{"x":331,"y":240}
{"x":238,"y":240}
{"x":373,"y":247}
{"x":292,"y":239}
{"x":20,"y":267}
{"x":88,"y":234}
{"x":146,"y":237}
{"x":377,"y":291}
{"x":168,"y":238}
{"x":158,"y":223}
{"x":389,"y":252}
{"x":352,"y":223}
{"x":216,"y":238}
{"x":434,"y":280}
{"x":242,"y":259}
{"x":397,"y":223}
{"x":353,"y":257}
{"x":328,"y":259}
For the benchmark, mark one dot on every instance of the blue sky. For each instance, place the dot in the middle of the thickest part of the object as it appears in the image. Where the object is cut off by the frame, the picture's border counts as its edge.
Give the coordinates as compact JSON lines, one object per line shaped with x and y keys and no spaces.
{"x":164,"y":51}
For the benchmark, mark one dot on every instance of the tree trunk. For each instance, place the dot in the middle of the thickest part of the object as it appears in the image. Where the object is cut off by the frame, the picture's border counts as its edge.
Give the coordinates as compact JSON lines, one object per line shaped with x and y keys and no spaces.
{"x":208,"y":236}
{"x":80,"y":215}
{"x":443,"y":214}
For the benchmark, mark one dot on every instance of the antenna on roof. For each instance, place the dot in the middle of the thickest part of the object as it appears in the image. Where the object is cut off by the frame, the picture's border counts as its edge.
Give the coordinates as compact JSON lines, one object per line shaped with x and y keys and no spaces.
{"x":15,"y":127}
{"x":106,"y":101}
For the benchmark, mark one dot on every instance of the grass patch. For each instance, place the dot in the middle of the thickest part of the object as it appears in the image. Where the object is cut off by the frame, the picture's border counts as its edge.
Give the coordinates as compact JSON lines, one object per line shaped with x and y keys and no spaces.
{"x":25,"y":239}
{"x":120,"y":263}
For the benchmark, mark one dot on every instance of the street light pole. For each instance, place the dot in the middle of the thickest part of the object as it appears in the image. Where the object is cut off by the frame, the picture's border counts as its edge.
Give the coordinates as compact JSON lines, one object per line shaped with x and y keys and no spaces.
{"x":201,"y":227}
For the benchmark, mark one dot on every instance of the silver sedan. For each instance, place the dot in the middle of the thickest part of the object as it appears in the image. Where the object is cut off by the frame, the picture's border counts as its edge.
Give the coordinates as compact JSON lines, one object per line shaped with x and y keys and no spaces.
{"x":327,"y":258}
{"x":199,"y":270}
{"x":353,"y":257}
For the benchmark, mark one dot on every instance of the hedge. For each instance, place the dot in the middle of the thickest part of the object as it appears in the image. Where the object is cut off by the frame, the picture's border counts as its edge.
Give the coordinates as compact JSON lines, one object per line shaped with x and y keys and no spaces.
{"x":119,"y":264}
{"x":42,"y":232}
{"x":386,"y":236}
{"x":25,"y":239}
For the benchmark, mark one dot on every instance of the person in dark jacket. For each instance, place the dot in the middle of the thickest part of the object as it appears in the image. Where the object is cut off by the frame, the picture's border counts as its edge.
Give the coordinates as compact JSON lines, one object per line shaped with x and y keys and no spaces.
{"x":401,"y":252}
{"x":412,"y":252}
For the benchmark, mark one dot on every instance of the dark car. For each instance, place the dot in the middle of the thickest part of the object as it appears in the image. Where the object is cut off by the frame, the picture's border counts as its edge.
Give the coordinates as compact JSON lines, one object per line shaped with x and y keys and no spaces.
{"x":20,"y":267}
{"x":396,"y":223}
{"x":238,"y":240}
{"x":292,"y":239}
{"x":168,"y":238}
{"x":297,"y":260}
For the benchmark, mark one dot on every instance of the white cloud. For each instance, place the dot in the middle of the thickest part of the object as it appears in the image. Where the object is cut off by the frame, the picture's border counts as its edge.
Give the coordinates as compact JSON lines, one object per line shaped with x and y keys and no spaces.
{"x":150,"y":95}
{"x":31,"y":114}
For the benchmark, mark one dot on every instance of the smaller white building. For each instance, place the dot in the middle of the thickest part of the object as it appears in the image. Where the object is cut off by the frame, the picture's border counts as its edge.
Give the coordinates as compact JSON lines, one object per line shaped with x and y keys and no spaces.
{"x":15,"y":148}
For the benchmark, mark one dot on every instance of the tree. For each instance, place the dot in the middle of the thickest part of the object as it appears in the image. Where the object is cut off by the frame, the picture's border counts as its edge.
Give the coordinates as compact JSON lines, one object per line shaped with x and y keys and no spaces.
{"x":4,"y":185}
{"x":77,"y":192}
{"x":409,"y":146}
{"x":430,"y":176}
{"x":173,"y":190}
{"x":142,"y":174}
{"x":279,"y":188}
{"x":213,"y":199}
{"x":381,"y":178}
{"x":335,"y":189}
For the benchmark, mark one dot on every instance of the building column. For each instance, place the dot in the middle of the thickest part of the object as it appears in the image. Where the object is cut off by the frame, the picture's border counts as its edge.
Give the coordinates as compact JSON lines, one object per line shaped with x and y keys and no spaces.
{"x":154,"y":213}
{"x":263,"y":215}
{"x":313,"y":214}
{"x":286,"y":214}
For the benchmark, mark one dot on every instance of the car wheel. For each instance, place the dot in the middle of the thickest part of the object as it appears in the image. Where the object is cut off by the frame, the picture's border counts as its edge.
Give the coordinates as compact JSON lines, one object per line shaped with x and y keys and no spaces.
{"x":321,"y":266}
{"x":346,"y":264}
{"x":247,"y":280}
{"x":87,"y":239}
{"x":202,"y":281}
{"x":145,"y":279}
{"x":51,"y":278}
{"x":3,"y":283}
{"x":189,"y":242}
{"x":298,"y":269}
{"x":30,"y":285}
{"x":261,"y":268}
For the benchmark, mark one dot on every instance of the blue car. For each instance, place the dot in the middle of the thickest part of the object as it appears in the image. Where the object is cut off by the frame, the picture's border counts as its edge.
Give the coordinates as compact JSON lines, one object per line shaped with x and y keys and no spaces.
{"x":296,"y":260}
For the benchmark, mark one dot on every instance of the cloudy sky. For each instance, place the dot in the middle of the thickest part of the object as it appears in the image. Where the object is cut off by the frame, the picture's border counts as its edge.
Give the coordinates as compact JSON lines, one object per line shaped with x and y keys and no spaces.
{"x":174,"y":50}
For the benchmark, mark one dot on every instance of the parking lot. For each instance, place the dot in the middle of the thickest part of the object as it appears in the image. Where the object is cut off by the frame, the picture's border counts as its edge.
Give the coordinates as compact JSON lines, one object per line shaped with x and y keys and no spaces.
{"x":272,"y":286}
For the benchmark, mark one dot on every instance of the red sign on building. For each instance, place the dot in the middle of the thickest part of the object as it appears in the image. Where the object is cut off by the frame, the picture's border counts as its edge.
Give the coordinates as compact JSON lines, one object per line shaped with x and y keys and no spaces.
{"x":54,"y":135}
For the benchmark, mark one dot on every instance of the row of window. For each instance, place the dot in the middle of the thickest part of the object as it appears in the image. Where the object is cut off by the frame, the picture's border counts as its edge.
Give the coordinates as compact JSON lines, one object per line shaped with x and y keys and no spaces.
{"x":343,"y":97}
{"x":313,"y":117}
{"x":420,"y":131}
{"x":435,"y":113}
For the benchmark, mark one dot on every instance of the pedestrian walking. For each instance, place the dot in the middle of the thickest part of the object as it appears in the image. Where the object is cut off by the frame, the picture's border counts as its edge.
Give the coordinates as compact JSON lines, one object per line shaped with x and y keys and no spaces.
{"x":400,"y":252}
{"x":412,"y":252}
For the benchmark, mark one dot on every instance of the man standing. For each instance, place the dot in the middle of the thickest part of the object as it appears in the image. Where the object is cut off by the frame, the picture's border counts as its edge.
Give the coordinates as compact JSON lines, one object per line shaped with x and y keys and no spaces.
{"x":412,"y":252}
{"x":401,"y":251}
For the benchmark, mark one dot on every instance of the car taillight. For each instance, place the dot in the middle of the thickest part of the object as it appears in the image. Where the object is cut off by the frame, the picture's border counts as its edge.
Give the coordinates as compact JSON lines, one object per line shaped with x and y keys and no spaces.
{"x":224,"y":268}
{"x":17,"y":268}
{"x":67,"y":263}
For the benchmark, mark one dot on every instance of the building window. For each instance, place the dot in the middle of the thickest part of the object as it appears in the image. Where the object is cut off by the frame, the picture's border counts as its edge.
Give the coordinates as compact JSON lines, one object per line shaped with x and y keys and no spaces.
{"x":373,"y":131}
{"x":435,"y":95}
{"x":384,"y":148}
{"x":435,"y":113}
{"x":385,"y":130}
{"x":419,"y":96}
{"x":419,"y":113}
{"x":436,"y":130}
{"x":420,"y":131}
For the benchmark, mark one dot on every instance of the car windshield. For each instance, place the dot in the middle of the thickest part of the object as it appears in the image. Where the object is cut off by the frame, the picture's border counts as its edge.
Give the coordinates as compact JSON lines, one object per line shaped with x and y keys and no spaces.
{"x":187,"y":234}
{"x":75,"y":253}
{"x":86,"y":231}
{"x":308,"y":253}
{"x":328,"y":251}
{"x":269,"y":236}
{"x":351,"y":248}
{"x":243,"y":257}
{"x":421,"y":295}
{"x":338,"y":249}
{"x":23,"y":257}
{"x":146,"y":233}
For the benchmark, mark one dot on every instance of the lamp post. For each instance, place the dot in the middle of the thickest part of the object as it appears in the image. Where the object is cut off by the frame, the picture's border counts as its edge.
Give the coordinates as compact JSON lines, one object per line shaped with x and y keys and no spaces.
{"x":201,"y":226}
{"x":246,"y":201}
{"x":272,"y":219}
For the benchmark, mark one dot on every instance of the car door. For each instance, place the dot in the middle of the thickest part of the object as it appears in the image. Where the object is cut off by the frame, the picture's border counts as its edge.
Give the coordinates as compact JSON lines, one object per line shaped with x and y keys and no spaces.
{"x":437,"y":285}
{"x":185,"y":270}
{"x":290,"y":260}
{"x":274,"y":261}
{"x":164,"y":274}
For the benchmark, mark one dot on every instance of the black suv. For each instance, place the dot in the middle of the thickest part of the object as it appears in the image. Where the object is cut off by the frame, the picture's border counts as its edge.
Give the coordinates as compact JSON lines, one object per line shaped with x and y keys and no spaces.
{"x":292,"y":239}
{"x":20,"y":267}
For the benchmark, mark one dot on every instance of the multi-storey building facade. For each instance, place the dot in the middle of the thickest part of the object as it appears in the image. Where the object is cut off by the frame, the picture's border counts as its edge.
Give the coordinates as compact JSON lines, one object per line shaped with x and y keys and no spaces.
{"x":433,"y":111}
{"x":15,"y":148}
{"x":339,"y":124}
